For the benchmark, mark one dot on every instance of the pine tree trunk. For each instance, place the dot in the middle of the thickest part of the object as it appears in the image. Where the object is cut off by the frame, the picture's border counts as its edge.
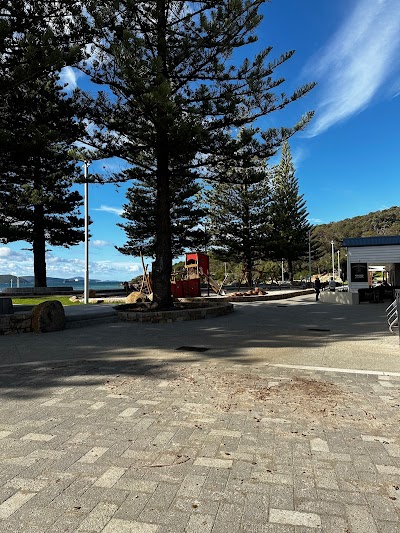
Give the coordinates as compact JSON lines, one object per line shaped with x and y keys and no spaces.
{"x":39,"y":248}
{"x":162,"y":266}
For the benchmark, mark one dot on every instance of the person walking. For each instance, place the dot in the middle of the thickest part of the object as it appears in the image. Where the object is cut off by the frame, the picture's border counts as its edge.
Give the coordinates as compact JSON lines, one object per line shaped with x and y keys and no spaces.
{"x":332,"y":285}
{"x":317,"y":285}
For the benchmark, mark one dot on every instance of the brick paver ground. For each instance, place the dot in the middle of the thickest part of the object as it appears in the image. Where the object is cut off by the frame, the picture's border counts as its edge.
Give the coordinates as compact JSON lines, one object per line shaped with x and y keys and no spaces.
{"x":197,"y":444}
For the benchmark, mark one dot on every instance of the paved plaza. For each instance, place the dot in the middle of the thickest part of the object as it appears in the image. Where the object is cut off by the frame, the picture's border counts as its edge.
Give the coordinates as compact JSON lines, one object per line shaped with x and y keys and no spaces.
{"x":282,"y":417}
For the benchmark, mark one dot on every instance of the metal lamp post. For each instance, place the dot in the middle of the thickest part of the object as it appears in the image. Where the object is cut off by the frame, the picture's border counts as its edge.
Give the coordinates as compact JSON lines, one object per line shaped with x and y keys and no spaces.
{"x":86,"y":206}
{"x":309,"y":255}
{"x":333,"y":260}
{"x":338,"y":263}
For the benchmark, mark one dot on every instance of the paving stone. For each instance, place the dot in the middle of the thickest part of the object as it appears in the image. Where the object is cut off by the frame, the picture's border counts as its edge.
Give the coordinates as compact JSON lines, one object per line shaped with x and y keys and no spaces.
{"x":213,"y":463}
{"x":98,"y":518}
{"x":360,"y":519}
{"x":14,"y":502}
{"x":295,"y":518}
{"x":200,"y":523}
{"x":116,"y":525}
{"x":110,"y":477}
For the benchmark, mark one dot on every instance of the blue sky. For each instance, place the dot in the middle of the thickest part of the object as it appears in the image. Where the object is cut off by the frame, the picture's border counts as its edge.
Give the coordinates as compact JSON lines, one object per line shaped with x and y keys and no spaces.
{"x":347,"y":161}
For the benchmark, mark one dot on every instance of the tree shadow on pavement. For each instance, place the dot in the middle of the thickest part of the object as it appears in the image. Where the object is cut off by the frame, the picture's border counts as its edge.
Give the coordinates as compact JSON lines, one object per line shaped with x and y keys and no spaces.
{"x":91,"y":354}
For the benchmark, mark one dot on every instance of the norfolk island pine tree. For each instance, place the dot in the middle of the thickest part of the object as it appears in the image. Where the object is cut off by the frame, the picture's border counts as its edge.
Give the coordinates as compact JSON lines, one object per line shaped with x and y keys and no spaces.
{"x":167,"y":66}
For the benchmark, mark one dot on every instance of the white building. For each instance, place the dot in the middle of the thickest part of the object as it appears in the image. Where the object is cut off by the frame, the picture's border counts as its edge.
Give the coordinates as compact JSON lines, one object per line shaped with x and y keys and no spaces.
{"x":366,"y":255}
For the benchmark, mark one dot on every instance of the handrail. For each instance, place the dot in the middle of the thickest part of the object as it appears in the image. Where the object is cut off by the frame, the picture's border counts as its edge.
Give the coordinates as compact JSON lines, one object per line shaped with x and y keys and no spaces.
{"x":392,"y":312}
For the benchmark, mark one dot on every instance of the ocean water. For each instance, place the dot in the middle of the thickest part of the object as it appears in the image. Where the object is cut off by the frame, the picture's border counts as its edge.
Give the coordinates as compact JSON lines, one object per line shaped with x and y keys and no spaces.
{"x":76,"y":285}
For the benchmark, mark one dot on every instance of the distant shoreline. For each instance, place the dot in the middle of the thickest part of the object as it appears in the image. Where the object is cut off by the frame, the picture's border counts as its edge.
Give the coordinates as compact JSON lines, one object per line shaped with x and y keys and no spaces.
{"x":76,"y":285}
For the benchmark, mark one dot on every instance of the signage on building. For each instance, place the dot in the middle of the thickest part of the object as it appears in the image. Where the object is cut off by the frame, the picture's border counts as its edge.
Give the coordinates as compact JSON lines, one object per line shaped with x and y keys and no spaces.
{"x":359,"y":272}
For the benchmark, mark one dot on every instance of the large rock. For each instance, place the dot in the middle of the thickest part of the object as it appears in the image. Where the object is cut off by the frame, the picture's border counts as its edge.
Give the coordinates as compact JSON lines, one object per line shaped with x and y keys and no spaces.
{"x":135,"y":297}
{"x":48,"y":316}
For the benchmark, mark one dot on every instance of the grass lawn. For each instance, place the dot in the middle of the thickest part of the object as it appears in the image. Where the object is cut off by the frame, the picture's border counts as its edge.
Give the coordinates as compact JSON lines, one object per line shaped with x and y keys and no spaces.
{"x":39,"y":299}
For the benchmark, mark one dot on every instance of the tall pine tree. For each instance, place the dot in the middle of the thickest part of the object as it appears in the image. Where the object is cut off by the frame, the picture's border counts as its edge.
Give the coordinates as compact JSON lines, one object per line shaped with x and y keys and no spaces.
{"x":239,"y":209}
{"x":37,"y":130}
{"x":289,"y":228}
{"x":176,"y":89}
{"x":35,"y":168}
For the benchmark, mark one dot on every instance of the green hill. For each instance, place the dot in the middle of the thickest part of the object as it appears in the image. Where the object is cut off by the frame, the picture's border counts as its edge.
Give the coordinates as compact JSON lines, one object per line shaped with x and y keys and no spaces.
{"x":385,"y":222}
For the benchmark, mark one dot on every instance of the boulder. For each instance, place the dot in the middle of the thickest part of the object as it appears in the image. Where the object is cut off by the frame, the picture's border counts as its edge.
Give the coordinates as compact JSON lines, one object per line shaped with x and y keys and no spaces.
{"x":135,"y":297}
{"x":48,"y":316}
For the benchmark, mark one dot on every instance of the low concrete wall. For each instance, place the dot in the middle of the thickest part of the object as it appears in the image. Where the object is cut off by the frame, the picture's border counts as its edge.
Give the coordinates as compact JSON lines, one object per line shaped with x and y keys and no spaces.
{"x":180,"y":315}
{"x":338,"y":297}
{"x":253,"y":298}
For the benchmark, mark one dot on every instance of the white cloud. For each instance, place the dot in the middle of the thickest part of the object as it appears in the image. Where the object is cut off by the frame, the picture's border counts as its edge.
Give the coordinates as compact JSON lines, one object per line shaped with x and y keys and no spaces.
{"x":69,"y":77}
{"x":98,"y":243}
{"x":356,"y":62}
{"x":114,"y":267}
{"x":20,"y":263}
{"x":10,"y":254}
{"x":315,"y":221}
{"x":5,"y":252}
{"x":108,"y":209}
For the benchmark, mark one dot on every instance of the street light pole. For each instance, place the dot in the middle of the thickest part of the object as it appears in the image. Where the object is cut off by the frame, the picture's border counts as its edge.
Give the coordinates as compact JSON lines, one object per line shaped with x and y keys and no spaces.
{"x":338,"y":263}
{"x":333,"y":260}
{"x":309,"y":255}
{"x":86,"y":206}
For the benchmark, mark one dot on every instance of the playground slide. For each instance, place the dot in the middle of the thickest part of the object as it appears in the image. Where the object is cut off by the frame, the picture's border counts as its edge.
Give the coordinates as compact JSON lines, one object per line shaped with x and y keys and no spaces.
{"x":216,"y":287}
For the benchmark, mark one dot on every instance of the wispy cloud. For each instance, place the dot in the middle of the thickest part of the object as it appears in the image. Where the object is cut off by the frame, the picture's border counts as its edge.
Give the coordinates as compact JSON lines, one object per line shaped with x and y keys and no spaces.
{"x":108,"y":209}
{"x":356,"y":62}
{"x":69,"y":77}
{"x":315,"y":221}
{"x":115,"y":267}
{"x":98,"y":243}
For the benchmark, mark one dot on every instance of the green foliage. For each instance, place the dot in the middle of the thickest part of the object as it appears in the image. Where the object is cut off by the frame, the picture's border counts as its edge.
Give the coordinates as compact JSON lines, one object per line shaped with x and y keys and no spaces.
{"x":37,"y":130}
{"x":186,"y":214}
{"x":377,"y":223}
{"x":288,"y":237}
{"x":37,"y":38}
{"x":239,"y":211}
{"x":177,"y":96}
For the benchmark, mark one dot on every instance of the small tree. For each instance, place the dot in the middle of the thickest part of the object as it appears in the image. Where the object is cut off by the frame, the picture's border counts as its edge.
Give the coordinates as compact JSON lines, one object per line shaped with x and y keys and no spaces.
{"x":289,"y":231}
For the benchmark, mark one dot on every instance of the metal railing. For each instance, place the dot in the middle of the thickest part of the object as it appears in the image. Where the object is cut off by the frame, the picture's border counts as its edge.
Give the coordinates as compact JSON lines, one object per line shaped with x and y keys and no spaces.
{"x":392,"y":312}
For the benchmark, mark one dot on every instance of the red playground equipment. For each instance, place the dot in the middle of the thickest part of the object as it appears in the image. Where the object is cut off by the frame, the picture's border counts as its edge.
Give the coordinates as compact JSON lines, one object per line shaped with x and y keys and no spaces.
{"x":197,"y":266}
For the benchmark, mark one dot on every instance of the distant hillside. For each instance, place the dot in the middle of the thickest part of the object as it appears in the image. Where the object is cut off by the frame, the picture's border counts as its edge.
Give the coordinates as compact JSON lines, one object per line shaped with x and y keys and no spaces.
{"x":6,"y":278}
{"x":385,"y":222}
{"x":31,"y":279}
